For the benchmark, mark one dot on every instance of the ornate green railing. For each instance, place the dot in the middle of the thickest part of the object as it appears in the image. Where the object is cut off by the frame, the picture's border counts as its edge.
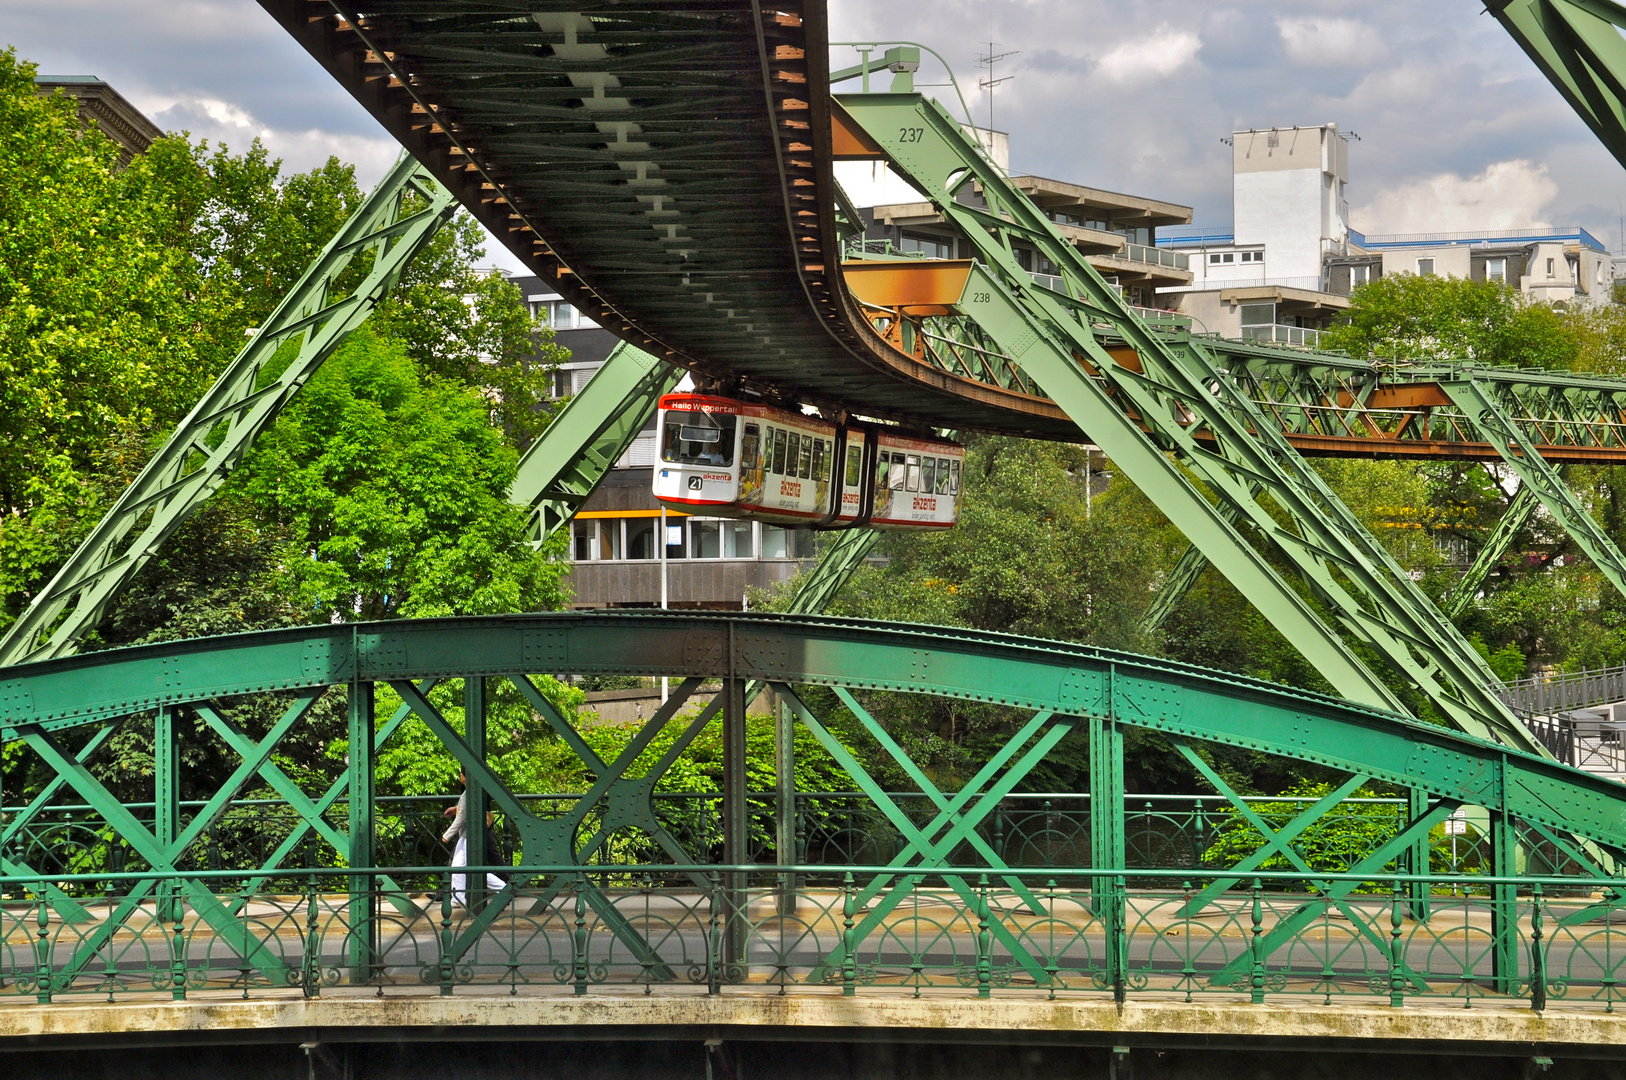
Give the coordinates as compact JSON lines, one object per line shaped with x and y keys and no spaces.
{"x":1052,"y":933}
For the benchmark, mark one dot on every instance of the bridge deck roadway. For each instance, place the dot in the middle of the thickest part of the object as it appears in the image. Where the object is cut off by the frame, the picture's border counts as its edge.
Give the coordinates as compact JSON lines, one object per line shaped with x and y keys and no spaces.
{"x":358,"y":1015}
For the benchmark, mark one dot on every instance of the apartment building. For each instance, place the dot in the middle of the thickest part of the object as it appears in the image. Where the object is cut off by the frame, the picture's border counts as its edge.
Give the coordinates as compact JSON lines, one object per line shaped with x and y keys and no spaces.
{"x":1289,"y":263}
{"x":1116,"y":233}
{"x":1557,"y":266}
{"x":1265,"y":278}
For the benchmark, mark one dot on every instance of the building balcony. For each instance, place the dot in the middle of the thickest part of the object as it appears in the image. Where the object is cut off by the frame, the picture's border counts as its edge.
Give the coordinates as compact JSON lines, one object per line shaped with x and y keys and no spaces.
{"x":1278,"y":334}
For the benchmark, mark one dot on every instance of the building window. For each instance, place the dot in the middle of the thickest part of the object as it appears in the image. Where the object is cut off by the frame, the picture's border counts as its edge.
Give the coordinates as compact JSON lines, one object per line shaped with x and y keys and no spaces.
{"x":1425,"y":267}
{"x":1220,"y":258}
{"x":932,"y":249}
{"x":1359,"y":275}
{"x":1495,"y":269}
{"x":1253,"y":256}
{"x":1549,"y":268}
{"x":641,"y":539}
{"x":1258,"y":314}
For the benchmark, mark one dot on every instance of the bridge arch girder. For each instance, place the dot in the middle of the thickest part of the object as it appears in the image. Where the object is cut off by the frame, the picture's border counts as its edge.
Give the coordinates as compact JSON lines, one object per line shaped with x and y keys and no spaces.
{"x":1046,"y":676}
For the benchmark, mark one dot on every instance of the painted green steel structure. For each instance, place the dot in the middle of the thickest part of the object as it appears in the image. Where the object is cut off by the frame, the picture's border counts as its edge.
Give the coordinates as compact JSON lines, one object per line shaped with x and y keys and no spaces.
{"x":394,"y":223}
{"x":1577,"y":44}
{"x":824,"y":670}
{"x":567,"y":461}
{"x":592,"y":141}
{"x":1179,"y":390}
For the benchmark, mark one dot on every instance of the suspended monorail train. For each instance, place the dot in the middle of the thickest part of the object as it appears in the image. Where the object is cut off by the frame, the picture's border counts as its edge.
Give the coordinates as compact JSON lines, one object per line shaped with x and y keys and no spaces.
{"x":735,"y":458}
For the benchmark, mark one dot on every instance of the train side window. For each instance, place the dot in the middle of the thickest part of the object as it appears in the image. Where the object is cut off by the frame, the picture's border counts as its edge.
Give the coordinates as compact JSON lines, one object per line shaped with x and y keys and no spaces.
{"x":928,"y":474}
{"x":779,"y":452}
{"x":806,"y":472}
{"x":883,"y":470}
{"x":954,"y":478}
{"x":793,"y":454}
{"x":748,"y":446}
{"x":855,"y":465}
{"x":897,"y":472}
{"x":913,"y":483}
{"x":942,"y":487}
{"x":818,"y":459}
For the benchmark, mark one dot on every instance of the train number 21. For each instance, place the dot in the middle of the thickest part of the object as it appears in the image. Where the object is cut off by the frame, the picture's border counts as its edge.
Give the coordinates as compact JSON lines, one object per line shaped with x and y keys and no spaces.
{"x":910,"y":134}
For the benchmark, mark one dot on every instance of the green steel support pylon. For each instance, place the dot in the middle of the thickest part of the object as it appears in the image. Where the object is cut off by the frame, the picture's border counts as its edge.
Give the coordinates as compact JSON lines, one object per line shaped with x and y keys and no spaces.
{"x":1514,"y":518}
{"x":407,"y":208}
{"x":1478,"y":401}
{"x":1578,"y":45}
{"x":841,"y":557}
{"x":1187,"y":569}
{"x":1179,"y":393}
{"x":567,"y":461}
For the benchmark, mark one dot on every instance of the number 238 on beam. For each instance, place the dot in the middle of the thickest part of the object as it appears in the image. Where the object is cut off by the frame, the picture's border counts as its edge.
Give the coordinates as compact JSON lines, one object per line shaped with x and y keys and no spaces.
{"x":742,"y":459}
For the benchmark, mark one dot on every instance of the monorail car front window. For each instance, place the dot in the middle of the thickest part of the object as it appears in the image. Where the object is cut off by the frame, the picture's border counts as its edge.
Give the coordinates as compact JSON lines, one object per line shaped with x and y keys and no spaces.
{"x":699,"y":439}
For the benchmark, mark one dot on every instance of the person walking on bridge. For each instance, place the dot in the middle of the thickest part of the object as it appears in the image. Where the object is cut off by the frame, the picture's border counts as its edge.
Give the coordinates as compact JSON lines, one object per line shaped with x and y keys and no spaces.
{"x":458,"y":830}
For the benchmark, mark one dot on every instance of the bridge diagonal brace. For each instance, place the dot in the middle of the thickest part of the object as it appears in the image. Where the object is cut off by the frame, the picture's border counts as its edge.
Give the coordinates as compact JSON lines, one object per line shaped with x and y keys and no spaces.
{"x":1513,"y":520}
{"x":302,"y":828}
{"x":1477,"y":401}
{"x":538,"y":836}
{"x":212,"y":439}
{"x":632,"y":802}
{"x":935,"y":853}
{"x":1374,"y":862}
{"x":66,"y":906}
{"x":1276,"y":841}
{"x":965,"y":825}
{"x":162,"y":857}
{"x":311,"y":813}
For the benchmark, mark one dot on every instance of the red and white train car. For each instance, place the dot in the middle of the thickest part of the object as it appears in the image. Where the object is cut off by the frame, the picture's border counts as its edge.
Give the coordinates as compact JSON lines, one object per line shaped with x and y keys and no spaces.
{"x":733,"y":458}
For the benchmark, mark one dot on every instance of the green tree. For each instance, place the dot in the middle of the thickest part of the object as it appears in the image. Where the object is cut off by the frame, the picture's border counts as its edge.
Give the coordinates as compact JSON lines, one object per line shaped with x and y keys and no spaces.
{"x":1407,"y":318}
{"x":392,"y":485}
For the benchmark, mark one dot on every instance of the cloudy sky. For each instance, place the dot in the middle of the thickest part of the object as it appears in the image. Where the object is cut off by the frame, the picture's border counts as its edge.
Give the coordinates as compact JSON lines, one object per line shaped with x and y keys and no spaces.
{"x":1458,"y":130}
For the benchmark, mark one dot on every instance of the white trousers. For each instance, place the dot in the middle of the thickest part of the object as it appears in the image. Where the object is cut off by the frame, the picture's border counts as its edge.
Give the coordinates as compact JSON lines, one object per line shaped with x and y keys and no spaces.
{"x":460,"y":882}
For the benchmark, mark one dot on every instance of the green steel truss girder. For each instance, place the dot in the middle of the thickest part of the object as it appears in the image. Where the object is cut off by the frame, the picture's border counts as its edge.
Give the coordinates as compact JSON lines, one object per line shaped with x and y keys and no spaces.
{"x":1479,"y":401}
{"x":394,"y":222}
{"x":1179,"y":393}
{"x":567,"y":461}
{"x":1513,"y":520}
{"x":41,"y":701}
{"x":1578,"y":45}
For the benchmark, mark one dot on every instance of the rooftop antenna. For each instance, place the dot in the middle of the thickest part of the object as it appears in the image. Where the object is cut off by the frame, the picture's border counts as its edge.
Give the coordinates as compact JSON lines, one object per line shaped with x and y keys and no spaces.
{"x":990,"y":82}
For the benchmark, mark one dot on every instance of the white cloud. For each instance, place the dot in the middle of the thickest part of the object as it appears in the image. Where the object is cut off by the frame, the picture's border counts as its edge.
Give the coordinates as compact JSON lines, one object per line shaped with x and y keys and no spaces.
{"x":1330,"y":42}
{"x":1162,"y":52}
{"x":1506,"y":195}
{"x":300,"y":149}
